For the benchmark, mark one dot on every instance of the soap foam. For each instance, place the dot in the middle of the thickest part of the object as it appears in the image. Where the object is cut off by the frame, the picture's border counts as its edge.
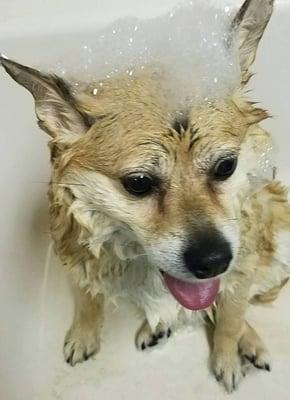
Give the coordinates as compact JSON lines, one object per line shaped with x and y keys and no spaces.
{"x":189,"y":46}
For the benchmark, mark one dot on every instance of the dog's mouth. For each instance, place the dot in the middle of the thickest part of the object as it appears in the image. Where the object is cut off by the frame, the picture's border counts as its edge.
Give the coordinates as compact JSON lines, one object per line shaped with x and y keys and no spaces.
{"x":193,"y":295}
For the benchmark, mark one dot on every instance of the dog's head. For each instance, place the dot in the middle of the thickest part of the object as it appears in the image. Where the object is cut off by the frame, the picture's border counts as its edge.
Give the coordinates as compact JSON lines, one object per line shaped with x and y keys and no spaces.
{"x":175,"y":182}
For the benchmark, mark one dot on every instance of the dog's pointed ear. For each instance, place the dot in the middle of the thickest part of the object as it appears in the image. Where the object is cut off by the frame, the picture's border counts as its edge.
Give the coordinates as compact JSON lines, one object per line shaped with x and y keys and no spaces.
{"x":54,"y":104}
{"x":250,"y":24}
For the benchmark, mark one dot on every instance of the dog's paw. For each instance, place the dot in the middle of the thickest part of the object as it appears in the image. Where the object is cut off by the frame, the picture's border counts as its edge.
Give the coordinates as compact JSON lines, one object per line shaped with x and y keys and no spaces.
{"x":252,"y":348}
{"x":227,"y":368}
{"x":80,"y":345}
{"x":146,"y":338}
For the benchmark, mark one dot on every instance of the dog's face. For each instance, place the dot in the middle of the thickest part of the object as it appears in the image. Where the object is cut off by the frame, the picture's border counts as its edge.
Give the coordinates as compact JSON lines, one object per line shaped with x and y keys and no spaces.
{"x":176,"y":182}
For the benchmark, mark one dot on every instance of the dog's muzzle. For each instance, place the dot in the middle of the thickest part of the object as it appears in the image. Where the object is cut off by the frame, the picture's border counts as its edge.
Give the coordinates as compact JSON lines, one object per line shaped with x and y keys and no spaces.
{"x":208,"y":255}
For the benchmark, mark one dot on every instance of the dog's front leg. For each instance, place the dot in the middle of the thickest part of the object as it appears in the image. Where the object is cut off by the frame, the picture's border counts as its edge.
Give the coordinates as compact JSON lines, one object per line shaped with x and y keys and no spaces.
{"x":229,"y":329}
{"x":82,"y":341}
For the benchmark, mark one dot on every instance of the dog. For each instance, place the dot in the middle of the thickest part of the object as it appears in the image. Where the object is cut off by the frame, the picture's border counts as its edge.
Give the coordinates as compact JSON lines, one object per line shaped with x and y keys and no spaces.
{"x":161,"y":210}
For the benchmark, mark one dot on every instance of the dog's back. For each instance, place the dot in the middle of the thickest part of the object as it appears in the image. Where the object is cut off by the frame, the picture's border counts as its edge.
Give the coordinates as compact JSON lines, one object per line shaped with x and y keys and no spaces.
{"x":267,"y":224}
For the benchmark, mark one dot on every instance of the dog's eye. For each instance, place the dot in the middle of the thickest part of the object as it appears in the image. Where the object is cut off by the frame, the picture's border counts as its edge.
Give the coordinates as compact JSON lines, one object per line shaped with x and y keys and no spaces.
{"x":225,"y":168}
{"x":138,"y":184}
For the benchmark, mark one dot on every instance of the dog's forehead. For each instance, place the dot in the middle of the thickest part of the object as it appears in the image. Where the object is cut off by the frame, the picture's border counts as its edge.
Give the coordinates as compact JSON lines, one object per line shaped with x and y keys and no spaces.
{"x":145,"y":103}
{"x":148,"y":120}
{"x":220,"y":116}
{"x":135,"y":125}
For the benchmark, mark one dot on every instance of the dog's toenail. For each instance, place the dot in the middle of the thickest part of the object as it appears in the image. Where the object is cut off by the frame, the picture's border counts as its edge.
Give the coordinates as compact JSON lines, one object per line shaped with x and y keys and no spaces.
{"x":219,"y":377}
{"x":160,"y":335}
{"x":234,"y":381}
{"x":267,"y":367}
{"x":252,"y":359}
{"x":69,"y":360}
{"x":153,"y":343}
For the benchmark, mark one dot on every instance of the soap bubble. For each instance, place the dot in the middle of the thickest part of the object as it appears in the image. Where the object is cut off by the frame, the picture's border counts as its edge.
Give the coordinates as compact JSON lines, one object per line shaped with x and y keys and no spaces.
{"x":187,"y":46}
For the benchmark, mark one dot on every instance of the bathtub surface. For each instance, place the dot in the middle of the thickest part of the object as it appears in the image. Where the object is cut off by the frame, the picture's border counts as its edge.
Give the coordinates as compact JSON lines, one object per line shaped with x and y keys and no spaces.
{"x":35,"y":306}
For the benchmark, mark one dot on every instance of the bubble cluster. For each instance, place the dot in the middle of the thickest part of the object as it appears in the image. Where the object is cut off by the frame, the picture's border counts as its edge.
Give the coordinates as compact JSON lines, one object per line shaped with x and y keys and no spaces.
{"x":262,"y":164}
{"x":190,"y":45}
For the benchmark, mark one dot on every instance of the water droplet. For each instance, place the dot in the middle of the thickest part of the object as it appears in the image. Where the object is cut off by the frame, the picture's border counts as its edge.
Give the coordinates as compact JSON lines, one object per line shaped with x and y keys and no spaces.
{"x":135,"y":28}
{"x":227,"y":9}
{"x":95,"y":91}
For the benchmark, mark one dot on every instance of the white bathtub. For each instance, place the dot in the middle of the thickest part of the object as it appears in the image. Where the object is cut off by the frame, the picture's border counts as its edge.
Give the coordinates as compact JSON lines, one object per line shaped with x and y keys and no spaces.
{"x":33,"y":315}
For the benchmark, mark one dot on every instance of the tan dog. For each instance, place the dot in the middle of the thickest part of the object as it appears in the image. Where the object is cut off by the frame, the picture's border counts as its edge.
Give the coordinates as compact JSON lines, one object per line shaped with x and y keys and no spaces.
{"x":141,"y":203}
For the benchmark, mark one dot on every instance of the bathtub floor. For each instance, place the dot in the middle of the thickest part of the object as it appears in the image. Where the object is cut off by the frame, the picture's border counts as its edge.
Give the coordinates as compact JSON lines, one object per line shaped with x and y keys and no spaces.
{"x":176,"y":370}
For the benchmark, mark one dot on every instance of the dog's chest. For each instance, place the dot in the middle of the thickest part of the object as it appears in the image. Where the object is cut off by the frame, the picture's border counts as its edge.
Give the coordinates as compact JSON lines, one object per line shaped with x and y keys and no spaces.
{"x":142,"y":283}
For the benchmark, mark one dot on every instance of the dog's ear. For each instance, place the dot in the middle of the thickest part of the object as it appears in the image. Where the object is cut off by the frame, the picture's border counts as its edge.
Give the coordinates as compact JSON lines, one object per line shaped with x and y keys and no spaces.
{"x":250,"y":24}
{"x":54,"y":104}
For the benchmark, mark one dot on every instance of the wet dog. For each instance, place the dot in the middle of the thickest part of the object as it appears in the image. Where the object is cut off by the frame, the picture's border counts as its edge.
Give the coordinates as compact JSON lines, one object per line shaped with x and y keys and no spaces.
{"x":161,"y":209}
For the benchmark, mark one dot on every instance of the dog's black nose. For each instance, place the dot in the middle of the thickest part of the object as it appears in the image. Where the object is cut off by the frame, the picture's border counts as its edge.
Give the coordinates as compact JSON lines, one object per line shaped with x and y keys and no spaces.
{"x":209,"y":254}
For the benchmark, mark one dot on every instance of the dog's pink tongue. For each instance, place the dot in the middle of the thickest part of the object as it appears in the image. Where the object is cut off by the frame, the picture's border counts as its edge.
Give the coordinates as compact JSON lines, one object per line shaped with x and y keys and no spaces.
{"x":194,"y":296}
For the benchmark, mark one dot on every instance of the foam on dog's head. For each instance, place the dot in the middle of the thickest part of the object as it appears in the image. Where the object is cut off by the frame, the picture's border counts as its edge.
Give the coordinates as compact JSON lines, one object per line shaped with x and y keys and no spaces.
{"x":189,"y":46}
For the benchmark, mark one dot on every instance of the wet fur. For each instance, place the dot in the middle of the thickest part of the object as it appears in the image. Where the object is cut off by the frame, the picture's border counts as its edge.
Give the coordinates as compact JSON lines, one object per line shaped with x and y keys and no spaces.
{"x":114,"y":245}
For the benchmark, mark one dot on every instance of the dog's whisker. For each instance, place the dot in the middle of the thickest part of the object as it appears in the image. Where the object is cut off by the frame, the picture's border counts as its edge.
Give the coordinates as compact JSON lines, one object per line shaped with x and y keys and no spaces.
{"x":59,"y":183}
{"x":41,"y":182}
{"x":44,"y":288}
{"x":138,"y":255}
{"x":67,"y":184}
